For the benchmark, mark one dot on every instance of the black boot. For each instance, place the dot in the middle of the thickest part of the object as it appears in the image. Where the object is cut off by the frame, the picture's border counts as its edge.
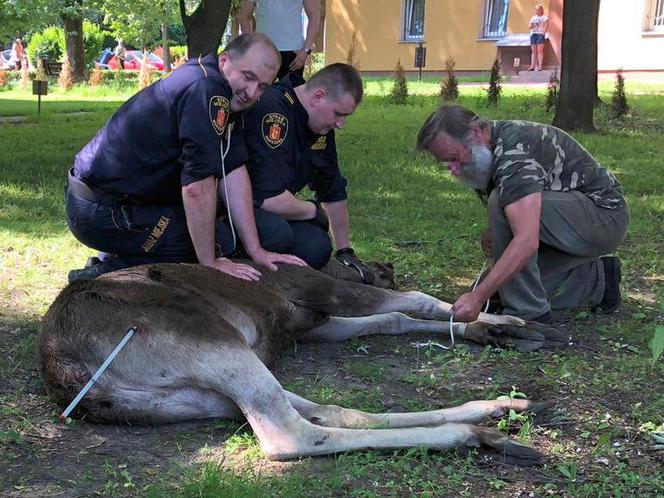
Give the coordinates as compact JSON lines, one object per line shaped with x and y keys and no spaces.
{"x":93,"y":268}
{"x":611,"y":300}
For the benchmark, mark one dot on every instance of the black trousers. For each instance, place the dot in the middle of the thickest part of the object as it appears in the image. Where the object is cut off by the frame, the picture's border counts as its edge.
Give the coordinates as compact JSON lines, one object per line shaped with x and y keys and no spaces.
{"x":286,"y":58}
{"x":304,"y":239}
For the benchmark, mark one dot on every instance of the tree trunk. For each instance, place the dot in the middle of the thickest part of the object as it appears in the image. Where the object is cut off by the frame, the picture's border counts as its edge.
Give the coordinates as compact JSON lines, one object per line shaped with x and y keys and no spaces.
{"x":73,"y":27}
{"x":578,"y":75}
{"x":205,"y":25}
{"x":166,"y":46}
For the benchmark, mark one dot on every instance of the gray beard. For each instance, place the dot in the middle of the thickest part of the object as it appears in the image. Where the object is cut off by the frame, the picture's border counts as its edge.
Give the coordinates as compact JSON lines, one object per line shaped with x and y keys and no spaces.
{"x":477,"y":174}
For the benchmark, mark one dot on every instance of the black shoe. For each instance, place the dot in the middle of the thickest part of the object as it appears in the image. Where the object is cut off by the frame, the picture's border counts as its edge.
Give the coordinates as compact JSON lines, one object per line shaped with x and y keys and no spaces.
{"x":87,"y":273}
{"x":611,"y":300}
{"x":92,"y":261}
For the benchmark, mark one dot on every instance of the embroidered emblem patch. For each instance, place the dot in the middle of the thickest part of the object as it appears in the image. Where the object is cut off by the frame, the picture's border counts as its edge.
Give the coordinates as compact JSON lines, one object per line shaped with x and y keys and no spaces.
{"x":320,"y":143}
{"x":219,"y":109}
{"x":275,"y":129}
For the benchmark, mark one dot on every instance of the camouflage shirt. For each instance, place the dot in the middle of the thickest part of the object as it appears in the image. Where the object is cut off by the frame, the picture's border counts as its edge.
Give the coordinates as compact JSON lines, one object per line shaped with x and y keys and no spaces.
{"x":531,"y":157}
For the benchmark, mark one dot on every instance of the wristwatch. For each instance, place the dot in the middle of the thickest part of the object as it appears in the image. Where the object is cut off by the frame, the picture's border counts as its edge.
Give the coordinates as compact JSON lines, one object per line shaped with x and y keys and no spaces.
{"x":308,"y":51}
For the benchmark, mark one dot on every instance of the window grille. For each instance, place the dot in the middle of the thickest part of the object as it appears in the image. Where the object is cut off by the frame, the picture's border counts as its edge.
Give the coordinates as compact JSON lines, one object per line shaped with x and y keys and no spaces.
{"x":495,"y":18}
{"x":413,"y":20}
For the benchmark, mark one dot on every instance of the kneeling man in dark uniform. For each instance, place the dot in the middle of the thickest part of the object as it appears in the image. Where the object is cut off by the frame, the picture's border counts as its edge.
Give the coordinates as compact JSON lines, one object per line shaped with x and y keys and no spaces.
{"x":291,"y":144}
{"x":144,"y":188}
{"x":553,"y":211}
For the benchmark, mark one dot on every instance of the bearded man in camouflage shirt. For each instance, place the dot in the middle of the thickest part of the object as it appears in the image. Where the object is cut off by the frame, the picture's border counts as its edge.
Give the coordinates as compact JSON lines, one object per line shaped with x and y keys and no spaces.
{"x":553,"y":212}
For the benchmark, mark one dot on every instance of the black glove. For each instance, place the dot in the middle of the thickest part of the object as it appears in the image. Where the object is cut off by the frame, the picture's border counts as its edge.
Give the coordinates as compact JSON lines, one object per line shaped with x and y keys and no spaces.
{"x":321,"y":218}
{"x":347,"y":257}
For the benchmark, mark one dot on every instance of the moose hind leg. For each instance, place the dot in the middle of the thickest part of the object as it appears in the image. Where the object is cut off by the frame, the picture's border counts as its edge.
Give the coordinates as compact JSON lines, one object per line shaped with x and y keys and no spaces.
{"x":284,"y":434}
{"x":469,"y":412}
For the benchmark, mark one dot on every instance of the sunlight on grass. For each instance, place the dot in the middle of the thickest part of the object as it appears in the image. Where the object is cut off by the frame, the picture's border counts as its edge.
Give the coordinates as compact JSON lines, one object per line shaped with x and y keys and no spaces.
{"x":407,"y":209}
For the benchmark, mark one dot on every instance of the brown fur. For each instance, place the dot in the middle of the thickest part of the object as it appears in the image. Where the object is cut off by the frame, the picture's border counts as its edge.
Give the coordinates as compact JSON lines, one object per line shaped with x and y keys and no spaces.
{"x":204,"y":340}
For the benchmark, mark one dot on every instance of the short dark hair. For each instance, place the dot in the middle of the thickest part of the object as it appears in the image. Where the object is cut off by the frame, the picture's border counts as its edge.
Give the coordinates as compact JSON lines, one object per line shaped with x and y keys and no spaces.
{"x":241,"y":44}
{"x":338,"y":79}
{"x":454,"y":120}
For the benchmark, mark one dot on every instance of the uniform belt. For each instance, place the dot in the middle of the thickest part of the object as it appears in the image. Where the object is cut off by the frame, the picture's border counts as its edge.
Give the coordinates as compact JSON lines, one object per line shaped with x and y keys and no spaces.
{"x":84,"y":191}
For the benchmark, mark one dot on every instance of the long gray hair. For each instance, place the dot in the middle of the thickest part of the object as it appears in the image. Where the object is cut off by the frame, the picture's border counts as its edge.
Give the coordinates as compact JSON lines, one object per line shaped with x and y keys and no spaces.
{"x":454,"y":120}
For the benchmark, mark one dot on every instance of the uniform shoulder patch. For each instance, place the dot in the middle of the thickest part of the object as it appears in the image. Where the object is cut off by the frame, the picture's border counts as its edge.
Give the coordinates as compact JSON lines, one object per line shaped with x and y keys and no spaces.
{"x":320,"y":143}
{"x":219,"y":109}
{"x":274,"y":128}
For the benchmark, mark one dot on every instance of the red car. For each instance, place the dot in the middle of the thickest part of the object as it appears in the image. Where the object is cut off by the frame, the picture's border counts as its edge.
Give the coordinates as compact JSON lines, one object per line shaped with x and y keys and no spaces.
{"x":134,"y":60}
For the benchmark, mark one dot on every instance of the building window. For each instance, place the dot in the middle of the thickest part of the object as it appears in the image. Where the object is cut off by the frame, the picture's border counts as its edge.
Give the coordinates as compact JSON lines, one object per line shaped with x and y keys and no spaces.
{"x":655,"y":15}
{"x":495,"y":18}
{"x":413,"y":20}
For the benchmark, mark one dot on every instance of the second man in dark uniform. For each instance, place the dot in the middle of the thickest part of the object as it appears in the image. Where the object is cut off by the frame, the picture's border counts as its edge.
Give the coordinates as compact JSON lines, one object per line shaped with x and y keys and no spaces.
{"x":291,"y":144}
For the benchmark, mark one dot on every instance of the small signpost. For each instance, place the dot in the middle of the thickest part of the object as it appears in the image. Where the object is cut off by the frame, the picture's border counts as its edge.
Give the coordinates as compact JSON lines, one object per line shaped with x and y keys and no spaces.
{"x":420,"y":58}
{"x":39,"y":88}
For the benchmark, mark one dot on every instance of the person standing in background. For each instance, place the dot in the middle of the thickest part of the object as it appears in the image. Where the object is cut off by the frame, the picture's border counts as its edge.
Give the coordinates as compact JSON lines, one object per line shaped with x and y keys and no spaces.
{"x":538,"y":25}
{"x":281,"y":20}
{"x":121,"y":53}
{"x":18,"y":54}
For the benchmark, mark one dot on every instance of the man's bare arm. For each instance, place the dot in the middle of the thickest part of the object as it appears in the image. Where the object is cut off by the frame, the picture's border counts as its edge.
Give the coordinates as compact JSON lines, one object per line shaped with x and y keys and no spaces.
{"x":339,"y":222}
{"x":523,"y":217}
{"x":312,"y":9}
{"x":290,"y":207}
{"x":200,"y":204}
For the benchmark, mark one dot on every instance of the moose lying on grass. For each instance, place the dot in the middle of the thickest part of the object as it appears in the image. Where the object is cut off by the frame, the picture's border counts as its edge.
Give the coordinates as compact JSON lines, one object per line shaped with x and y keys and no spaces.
{"x":204,"y":340}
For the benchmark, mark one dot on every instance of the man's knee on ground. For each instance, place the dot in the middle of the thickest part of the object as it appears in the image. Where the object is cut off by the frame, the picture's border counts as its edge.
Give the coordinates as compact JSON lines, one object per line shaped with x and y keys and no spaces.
{"x":313,"y":245}
{"x":274,"y":232}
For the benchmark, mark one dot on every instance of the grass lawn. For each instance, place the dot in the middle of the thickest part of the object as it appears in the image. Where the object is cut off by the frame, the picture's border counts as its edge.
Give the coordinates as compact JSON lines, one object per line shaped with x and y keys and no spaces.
{"x":609,"y":394}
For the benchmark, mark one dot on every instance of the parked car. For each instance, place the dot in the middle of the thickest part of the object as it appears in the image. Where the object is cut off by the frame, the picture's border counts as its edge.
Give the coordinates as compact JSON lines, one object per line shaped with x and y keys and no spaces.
{"x":6,"y":60}
{"x":104,"y":57}
{"x":134,"y":60}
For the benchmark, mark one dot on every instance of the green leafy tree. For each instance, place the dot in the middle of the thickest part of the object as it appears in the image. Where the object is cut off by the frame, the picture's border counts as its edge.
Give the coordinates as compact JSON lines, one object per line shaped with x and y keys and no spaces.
{"x":18,"y":17}
{"x":139,"y":22}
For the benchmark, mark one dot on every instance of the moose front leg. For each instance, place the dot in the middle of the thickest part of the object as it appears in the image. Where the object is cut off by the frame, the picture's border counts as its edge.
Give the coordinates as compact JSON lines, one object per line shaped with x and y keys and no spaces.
{"x":425,"y":306}
{"x":337,"y":329}
{"x":530,"y":338}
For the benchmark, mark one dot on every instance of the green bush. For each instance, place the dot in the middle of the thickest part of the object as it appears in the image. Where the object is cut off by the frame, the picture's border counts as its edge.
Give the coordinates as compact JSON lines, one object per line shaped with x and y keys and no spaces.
{"x":48,"y":44}
{"x":178,"y":51}
{"x":449,"y":87}
{"x":93,"y":41}
{"x":495,"y":87}
{"x":619,"y":104}
{"x":399,"y":92}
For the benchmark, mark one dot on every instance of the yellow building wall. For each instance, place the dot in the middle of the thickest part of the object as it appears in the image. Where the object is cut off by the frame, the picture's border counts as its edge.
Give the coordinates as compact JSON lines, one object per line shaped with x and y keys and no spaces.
{"x":621,"y":40}
{"x":451,"y":28}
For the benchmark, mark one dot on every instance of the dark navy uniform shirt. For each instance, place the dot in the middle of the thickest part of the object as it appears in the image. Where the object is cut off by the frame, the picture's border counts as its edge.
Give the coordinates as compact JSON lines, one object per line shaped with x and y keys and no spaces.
{"x":284,"y":154}
{"x":166,"y":136}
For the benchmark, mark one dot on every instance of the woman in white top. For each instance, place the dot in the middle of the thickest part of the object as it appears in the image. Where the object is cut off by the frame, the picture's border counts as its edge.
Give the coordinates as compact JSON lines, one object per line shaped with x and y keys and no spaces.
{"x":538,"y":24}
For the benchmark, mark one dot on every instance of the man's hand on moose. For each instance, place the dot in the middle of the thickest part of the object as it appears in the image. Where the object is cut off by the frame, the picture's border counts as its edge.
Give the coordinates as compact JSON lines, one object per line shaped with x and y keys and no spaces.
{"x":270,"y":259}
{"x":238,"y":270}
{"x":467,"y":308}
